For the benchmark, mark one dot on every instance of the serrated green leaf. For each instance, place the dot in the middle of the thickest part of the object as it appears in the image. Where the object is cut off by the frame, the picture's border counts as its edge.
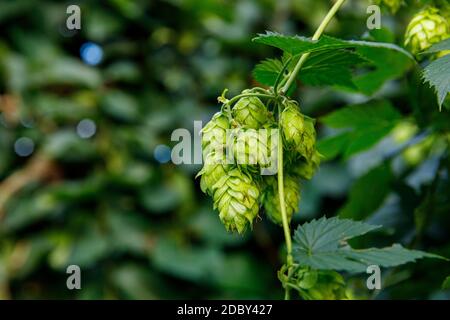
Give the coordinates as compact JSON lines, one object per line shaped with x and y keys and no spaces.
{"x":438,"y":47}
{"x":322,"y":68}
{"x":327,"y":234}
{"x":367,"y":123}
{"x":359,"y":205}
{"x":297,"y":45}
{"x":388,"y":60}
{"x":331,"y":68}
{"x":321,"y":244}
{"x":437,"y":74}
{"x":267,"y":71}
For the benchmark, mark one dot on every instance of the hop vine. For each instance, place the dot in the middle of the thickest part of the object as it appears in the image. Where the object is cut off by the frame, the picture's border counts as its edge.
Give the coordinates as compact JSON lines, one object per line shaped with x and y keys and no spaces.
{"x":260,"y":147}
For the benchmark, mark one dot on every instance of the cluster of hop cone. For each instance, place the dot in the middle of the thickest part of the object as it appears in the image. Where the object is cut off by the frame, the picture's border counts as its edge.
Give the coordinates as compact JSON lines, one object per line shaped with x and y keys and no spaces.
{"x":249,"y":131}
{"x":429,"y":26}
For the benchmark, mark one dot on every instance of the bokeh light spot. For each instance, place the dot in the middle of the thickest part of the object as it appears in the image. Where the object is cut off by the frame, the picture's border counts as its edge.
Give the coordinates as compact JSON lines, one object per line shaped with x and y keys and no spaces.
{"x":24,"y":147}
{"x":91,"y":53}
{"x":86,"y":128}
{"x":162,"y":153}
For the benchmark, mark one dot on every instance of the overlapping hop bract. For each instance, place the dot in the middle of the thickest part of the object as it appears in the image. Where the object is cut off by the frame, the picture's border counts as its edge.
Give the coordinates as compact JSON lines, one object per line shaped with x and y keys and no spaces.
{"x":321,"y":284}
{"x":427,"y":27}
{"x":242,"y":139}
{"x":271,"y":200}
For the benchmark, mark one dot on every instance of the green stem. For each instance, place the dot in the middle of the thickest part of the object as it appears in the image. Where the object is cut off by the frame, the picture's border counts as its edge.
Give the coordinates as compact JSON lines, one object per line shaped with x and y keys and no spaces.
{"x":280,"y":175}
{"x":287,"y":233}
{"x":259,"y":95}
{"x":316,"y":36}
{"x":284,"y":218}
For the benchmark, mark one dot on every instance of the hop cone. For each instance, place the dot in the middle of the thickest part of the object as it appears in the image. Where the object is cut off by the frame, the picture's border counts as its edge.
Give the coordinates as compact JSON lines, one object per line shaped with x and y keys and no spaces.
{"x":272,"y":200}
{"x":329,"y":285}
{"x":391,"y":5}
{"x":250,"y":113}
{"x":236,"y":197}
{"x":292,"y":124}
{"x":425,"y":29}
{"x":214,"y":134}
{"x":307,"y":167}
{"x":299,"y":133}
{"x":212,"y":171}
{"x":308,"y":144}
{"x":253,"y":147}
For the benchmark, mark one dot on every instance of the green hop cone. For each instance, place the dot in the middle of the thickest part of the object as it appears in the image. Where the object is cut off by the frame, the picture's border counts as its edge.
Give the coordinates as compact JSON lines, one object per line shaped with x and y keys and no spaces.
{"x":306,"y":168}
{"x":245,"y":146}
{"x":272,"y":201}
{"x":236,"y":197}
{"x":298,"y":131}
{"x":214,"y":134}
{"x":213,"y":169}
{"x":308,"y":143}
{"x":250,"y":113}
{"x":391,"y":5}
{"x":292,"y":124}
{"x":425,"y":29}
{"x":329,"y":285}
{"x":254,"y":147}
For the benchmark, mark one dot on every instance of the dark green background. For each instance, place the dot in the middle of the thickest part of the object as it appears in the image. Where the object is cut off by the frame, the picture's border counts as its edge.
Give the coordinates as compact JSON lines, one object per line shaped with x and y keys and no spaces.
{"x":140,"y":229}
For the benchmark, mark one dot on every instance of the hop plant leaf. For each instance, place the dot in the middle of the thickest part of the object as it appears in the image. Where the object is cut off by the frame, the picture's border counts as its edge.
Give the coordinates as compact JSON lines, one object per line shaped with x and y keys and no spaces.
{"x":425,"y":29}
{"x":322,"y":244}
{"x":437,"y":73}
{"x":236,"y":196}
{"x":272,"y":200}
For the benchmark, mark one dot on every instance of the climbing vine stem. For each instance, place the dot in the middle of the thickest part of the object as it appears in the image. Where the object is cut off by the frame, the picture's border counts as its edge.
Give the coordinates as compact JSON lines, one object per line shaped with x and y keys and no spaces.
{"x":280,"y":175}
{"x":316,"y":36}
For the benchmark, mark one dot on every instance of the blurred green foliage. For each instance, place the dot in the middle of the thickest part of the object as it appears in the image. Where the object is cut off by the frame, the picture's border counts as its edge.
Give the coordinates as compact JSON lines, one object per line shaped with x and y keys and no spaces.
{"x":141,"y":229}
